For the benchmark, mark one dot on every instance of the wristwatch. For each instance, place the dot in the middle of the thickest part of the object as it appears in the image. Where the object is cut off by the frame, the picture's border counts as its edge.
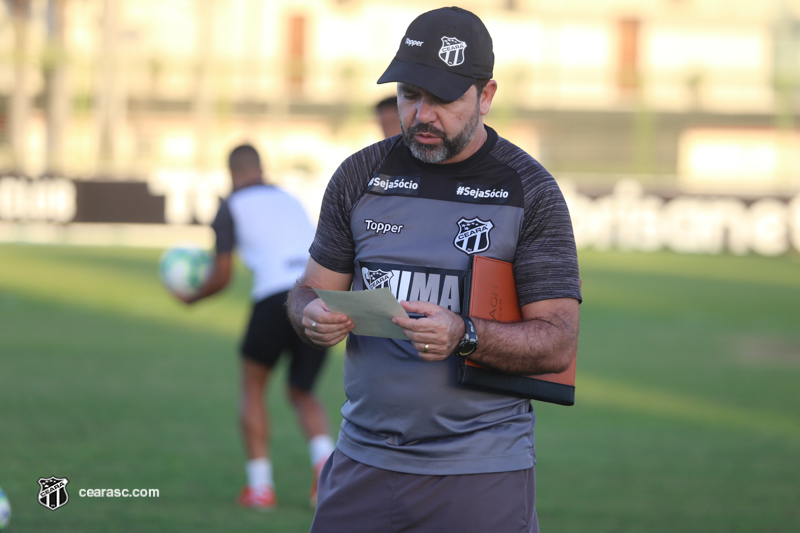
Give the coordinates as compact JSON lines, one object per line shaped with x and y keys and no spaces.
{"x":469,"y":343}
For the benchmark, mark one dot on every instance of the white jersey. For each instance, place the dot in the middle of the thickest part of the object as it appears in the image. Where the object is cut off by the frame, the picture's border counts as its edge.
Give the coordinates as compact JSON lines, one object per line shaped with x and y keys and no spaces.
{"x":272,"y":233}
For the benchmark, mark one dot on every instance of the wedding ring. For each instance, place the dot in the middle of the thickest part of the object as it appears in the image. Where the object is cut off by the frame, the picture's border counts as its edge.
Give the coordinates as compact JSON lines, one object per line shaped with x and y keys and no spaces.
{"x":425,"y":349}
{"x":314,"y":325}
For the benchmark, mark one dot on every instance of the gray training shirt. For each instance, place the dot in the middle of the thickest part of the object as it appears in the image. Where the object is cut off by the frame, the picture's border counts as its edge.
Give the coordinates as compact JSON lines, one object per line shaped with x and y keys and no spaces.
{"x":393,"y":221}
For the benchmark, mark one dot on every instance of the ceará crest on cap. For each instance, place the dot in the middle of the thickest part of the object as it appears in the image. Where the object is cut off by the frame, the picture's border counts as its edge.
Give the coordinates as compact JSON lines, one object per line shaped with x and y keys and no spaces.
{"x":452,"y":51}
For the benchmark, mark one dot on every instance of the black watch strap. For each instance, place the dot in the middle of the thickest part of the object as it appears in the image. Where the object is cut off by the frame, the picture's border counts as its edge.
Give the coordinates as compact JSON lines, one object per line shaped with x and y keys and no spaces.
{"x":469,"y":343}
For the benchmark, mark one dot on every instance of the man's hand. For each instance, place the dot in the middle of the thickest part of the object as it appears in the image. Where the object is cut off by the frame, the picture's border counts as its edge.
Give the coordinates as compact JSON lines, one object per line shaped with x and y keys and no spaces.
{"x":218,"y":279}
{"x":185,"y":298}
{"x":324,"y":327}
{"x":309,"y":316}
{"x":436,"y":335}
{"x":545,"y":341}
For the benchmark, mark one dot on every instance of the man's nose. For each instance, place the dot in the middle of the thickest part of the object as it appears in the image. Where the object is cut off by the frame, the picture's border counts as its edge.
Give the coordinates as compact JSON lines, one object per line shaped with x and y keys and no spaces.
{"x":426,"y":111}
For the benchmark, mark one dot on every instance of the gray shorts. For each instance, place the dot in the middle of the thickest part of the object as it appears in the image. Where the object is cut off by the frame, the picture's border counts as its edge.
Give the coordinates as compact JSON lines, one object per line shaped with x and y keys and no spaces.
{"x":357,"y":498}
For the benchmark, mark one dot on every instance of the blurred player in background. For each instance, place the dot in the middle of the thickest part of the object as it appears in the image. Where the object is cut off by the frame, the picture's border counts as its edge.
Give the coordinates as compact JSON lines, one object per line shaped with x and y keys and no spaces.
{"x":389,"y":118}
{"x":272,"y":232}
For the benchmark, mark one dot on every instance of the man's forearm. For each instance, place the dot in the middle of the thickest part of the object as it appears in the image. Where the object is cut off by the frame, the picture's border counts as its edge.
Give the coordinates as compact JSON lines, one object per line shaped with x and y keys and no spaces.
{"x":299,"y":297}
{"x":536,"y":346}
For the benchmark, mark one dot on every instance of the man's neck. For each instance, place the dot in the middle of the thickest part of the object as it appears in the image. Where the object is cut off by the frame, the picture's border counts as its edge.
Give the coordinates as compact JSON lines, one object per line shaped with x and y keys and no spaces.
{"x":241,"y":183}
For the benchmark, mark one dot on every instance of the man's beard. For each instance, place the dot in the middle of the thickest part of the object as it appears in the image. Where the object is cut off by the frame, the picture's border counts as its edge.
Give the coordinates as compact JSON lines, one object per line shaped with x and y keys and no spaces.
{"x":449,"y":148}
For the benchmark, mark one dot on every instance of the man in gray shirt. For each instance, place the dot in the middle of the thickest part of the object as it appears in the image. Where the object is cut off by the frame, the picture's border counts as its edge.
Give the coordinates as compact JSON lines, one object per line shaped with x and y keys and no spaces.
{"x":416,"y":450}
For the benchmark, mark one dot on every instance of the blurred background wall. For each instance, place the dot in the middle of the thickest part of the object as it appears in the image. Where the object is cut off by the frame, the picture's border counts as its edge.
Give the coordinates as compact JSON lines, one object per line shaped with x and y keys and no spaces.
{"x":668,"y":123}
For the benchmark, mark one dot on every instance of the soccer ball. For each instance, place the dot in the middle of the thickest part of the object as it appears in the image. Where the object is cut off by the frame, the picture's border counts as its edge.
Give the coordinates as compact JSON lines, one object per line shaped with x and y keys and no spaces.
{"x":184,"y":269}
{"x":5,"y":511}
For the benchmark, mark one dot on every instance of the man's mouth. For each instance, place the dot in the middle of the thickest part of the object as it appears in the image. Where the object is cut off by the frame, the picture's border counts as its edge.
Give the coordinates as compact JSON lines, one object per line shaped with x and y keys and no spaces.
{"x":427,"y":138}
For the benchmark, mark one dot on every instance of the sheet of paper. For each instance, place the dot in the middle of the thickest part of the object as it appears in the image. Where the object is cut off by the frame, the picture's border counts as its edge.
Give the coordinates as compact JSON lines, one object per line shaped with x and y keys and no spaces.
{"x":370,"y":311}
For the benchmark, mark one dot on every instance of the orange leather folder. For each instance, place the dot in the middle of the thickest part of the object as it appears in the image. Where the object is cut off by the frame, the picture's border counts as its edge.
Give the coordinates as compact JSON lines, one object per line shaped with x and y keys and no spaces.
{"x":492,"y":294}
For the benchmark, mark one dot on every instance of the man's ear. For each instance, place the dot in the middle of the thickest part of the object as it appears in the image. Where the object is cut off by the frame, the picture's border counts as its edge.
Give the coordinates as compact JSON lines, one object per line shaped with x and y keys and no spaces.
{"x":487,"y":96}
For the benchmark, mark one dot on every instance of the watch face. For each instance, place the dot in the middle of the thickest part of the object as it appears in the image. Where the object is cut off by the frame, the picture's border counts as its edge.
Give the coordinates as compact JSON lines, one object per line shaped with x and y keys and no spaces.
{"x":466,"y":350}
{"x":466,"y":347}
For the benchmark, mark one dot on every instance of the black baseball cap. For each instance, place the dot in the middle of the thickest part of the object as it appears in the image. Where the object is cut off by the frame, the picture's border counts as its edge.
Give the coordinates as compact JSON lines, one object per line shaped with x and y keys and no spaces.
{"x":443,"y":51}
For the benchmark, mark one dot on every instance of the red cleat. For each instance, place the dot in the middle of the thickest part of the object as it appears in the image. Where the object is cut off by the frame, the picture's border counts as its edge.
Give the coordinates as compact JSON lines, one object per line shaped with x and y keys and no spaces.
{"x":312,"y":497}
{"x":260,"y":500}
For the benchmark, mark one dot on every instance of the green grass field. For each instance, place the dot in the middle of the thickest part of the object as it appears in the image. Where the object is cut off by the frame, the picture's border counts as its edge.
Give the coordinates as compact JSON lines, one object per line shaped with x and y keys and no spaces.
{"x":687,"y":416}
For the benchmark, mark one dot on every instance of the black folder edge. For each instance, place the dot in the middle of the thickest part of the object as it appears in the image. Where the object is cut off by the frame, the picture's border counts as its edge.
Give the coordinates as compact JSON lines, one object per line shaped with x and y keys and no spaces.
{"x":517,"y":386}
{"x":496,"y":382}
{"x":468,"y":287}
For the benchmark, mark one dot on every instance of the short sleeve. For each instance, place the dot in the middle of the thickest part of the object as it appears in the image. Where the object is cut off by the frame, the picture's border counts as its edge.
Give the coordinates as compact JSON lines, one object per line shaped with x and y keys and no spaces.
{"x":546,"y":260}
{"x":223,"y":229}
